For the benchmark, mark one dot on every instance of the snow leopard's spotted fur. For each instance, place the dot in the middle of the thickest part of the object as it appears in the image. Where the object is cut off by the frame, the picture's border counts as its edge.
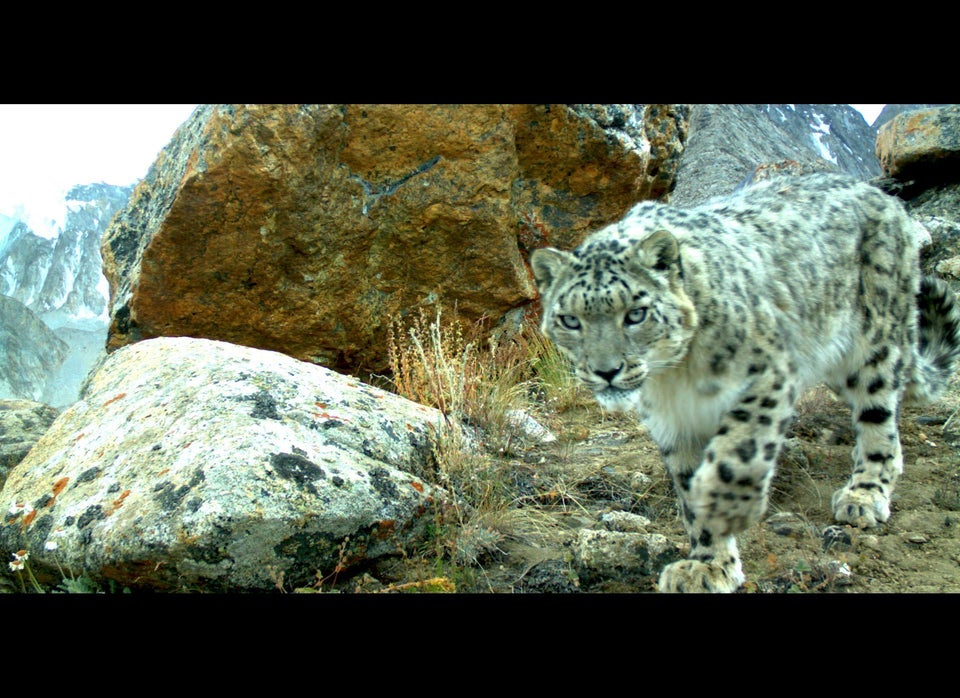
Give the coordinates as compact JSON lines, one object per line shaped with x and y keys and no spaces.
{"x":709,"y":322}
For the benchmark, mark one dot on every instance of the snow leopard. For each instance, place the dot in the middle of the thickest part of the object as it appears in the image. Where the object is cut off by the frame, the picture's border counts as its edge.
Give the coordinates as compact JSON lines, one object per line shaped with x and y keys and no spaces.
{"x":709,"y":322}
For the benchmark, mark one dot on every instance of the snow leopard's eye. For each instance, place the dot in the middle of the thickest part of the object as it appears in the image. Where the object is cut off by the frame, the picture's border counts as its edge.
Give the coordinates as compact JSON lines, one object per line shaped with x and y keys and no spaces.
{"x":635,"y":316}
{"x":569,"y":322}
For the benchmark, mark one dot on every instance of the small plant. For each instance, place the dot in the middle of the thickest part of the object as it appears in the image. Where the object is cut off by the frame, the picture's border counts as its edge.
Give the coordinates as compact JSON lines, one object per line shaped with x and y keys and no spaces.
{"x":947,"y":498}
{"x":480,"y":381}
{"x":20,"y":564}
{"x":476,"y":378}
{"x":429,"y":360}
{"x":70,"y":583}
{"x":554,"y":375}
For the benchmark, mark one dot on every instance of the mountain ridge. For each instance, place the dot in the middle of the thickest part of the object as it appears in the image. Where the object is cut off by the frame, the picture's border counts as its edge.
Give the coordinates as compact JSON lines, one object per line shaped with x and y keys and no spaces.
{"x":58,"y":280}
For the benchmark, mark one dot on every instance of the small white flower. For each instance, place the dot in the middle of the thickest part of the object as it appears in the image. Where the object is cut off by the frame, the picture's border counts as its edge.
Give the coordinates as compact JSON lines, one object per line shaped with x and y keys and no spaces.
{"x":50,"y":545}
{"x":19,"y":560}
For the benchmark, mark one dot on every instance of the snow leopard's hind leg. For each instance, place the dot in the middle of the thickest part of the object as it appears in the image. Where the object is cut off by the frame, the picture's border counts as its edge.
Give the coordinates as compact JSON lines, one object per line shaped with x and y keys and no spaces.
{"x":876,"y":389}
{"x":873,"y":393}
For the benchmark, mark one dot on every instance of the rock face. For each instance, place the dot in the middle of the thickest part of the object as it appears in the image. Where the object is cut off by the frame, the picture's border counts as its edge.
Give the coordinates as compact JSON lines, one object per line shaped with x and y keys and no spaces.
{"x":307,"y":228}
{"x":25,"y":259}
{"x":727,"y":143}
{"x":889,"y":111}
{"x":921,"y":143}
{"x":30,"y":353}
{"x":193,"y":463}
{"x":920,"y":153}
{"x":22,"y":423}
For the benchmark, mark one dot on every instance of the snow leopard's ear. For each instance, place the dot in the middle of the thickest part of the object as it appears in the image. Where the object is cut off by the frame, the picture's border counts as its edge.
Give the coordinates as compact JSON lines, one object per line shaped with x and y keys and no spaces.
{"x":548,"y":265}
{"x":660,"y":252}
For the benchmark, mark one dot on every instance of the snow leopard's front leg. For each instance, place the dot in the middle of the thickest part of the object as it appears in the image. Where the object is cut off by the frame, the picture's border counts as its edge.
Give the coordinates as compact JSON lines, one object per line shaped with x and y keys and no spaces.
{"x":713,"y":563}
{"x":726,"y":489}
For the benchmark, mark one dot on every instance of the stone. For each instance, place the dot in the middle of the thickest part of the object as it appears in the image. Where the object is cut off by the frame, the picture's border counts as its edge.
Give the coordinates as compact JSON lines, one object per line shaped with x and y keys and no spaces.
{"x":922,"y":143}
{"x":623,"y":556}
{"x":837,"y":537}
{"x":308,"y":229}
{"x":625,"y":521}
{"x":789,"y":524}
{"x":193,"y":464}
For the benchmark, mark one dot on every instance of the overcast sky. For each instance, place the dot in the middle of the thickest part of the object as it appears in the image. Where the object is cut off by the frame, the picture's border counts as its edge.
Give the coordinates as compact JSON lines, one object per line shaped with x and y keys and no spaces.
{"x":870,"y":111}
{"x":47,"y":148}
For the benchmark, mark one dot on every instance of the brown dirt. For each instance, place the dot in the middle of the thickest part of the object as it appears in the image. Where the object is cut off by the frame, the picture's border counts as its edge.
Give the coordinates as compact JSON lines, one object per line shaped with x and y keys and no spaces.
{"x":592,"y":469}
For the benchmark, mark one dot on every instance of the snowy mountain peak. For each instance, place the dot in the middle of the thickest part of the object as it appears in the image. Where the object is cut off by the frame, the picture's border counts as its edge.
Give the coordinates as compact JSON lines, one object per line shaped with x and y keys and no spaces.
{"x":50,"y":253}
{"x":51,"y":277}
{"x":45,"y":215}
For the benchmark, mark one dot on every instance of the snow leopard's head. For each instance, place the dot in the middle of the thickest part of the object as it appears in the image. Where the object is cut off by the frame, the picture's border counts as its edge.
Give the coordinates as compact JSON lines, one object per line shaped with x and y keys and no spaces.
{"x":616,"y":307}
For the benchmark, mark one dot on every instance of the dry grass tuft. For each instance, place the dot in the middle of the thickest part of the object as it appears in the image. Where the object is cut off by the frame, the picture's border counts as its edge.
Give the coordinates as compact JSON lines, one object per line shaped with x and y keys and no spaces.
{"x":480,"y":380}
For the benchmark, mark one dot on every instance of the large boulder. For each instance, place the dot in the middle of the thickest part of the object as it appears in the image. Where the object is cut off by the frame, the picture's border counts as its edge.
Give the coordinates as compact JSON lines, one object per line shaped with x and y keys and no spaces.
{"x":193,"y":464}
{"x":307,"y":229}
{"x":921,"y":143}
{"x":919,"y":149}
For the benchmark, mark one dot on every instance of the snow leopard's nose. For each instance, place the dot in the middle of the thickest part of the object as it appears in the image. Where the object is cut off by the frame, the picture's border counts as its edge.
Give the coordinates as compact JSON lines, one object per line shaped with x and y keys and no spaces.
{"x":609,"y":375}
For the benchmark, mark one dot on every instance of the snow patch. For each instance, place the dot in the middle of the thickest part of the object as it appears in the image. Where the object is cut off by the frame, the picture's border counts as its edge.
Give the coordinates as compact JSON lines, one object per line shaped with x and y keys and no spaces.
{"x":820,"y":129}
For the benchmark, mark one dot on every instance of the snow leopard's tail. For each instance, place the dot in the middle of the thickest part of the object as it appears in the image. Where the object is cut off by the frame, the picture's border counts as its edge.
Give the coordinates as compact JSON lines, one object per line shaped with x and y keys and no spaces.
{"x":939,"y":341}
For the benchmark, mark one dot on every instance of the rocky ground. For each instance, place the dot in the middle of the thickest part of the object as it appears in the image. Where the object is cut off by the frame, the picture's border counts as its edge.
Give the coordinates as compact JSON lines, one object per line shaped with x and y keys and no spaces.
{"x":603,"y":473}
{"x":601,"y":464}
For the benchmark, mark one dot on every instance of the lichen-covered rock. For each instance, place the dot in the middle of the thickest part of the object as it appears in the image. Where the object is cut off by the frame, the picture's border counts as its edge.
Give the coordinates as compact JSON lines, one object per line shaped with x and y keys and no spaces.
{"x":192,"y":464}
{"x":628,"y":557}
{"x":920,"y":153}
{"x":22,"y":423}
{"x":922,"y":143}
{"x":307,"y":229}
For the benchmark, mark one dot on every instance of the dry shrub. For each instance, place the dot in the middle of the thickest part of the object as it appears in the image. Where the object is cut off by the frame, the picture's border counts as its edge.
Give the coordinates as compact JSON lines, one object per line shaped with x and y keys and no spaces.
{"x":470,"y":375}
{"x":478,"y":379}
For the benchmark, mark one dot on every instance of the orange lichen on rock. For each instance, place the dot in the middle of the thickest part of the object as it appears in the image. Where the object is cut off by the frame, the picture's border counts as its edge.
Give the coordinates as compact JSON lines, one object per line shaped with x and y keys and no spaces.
{"x":114,"y":399}
{"x":28,"y":519}
{"x":59,"y":485}
{"x":117,"y":503}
